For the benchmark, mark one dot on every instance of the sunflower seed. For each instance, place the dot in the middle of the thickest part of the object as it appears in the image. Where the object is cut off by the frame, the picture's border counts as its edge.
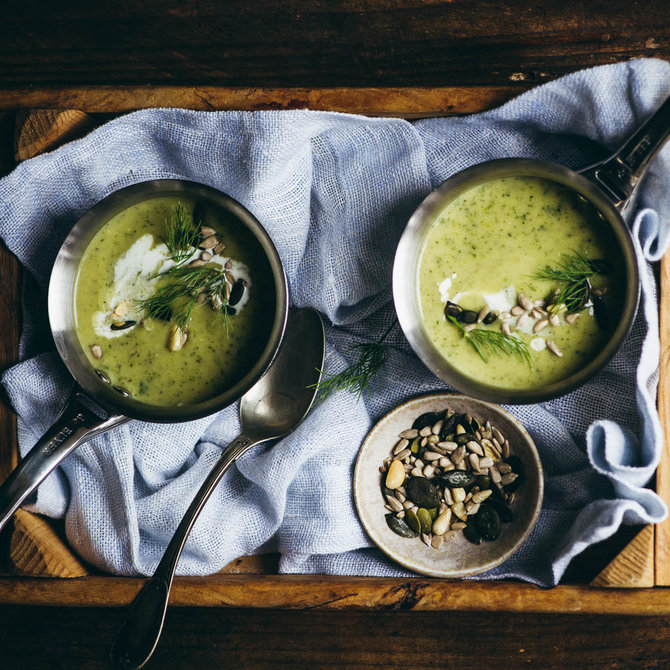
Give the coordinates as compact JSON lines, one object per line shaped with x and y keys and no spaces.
{"x":409,"y":434}
{"x":428,"y":471}
{"x":485,"y":462}
{"x":402,"y":444}
{"x":525,"y":302}
{"x":505,"y":450}
{"x":408,"y":504}
{"x":494,"y":475}
{"x":458,"y":454}
{"x":571,"y":318}
{"x":403,"y":454}
{"x":209,"y":242}
{"x":437,"y":541}
{"x":448,"y":498}
{"x":516,"y":310}
{"x":432,"y":439}
{"x":458,"y":525}
{"x":554,"y":320}
{"x":458,"y":494}
{"x":431,"y":456}
{"x":206,"y":256}
{"x":218,"y":248}
{"x":481,"y":496}
{"x":426,"y":539}
{"x":474,"y":462}
{"x":508,"y":478}
{"x":121,"y":309}
{"x":416,"y":472}
{"x":504,"y":316}
{"x":449,"y":446}
{"x":96,"y":351}
{"x":504,"y":468}
{"x":554,"y":349}
{"x":511,"y":498}
{"x":437,"y":427}
{"x":400,"y":496}
{"x":541,"y":324}
{"x":395,"y":505}
{"x":506,"y":329}
{"x":472,"y":508}
{"x":459,"y":510}
{"x":442,"y":522}
{"x":523,"y":321}
{"x":483,"y":313}
{"x":475,"y":448}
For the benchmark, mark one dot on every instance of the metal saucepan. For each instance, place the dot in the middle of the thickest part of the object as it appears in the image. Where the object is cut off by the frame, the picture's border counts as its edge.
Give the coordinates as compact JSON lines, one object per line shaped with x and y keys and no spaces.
{"x":95,"y":406}
{"x":610,"y":186}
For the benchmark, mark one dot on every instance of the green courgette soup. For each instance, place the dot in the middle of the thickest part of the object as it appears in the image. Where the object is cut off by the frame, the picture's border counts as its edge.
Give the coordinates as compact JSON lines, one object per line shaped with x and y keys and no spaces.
{"x":174,"y":301}
{"x":520,"y":283}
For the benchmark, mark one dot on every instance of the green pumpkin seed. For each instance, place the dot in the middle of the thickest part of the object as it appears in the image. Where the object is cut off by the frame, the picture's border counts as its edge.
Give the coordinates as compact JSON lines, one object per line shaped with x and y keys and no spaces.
{"x":399,"y":527}
{"x":427,"y":419}
{"x":421,"y":492}
{"x":412,"y":520}
{"x":483,"y":481}
{"x":414,"y":447}
{"x":433,"y":512}
{"x":425,"y":520}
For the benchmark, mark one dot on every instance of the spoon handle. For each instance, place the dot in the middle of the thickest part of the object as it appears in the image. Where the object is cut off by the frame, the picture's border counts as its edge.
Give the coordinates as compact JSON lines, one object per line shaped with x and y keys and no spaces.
{"x":139,"y":635}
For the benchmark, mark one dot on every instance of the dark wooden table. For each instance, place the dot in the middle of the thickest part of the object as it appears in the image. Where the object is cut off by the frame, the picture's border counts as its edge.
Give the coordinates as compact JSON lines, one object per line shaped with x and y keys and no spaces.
{"x":48,"y":48}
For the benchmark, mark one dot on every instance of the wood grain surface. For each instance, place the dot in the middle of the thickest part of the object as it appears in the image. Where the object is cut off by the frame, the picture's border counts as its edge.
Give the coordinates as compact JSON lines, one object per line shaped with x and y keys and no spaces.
{"x":43,"y":638}
{"x":662,"y":548}
{"x":408,"y":102}
{"x":321,"y":42}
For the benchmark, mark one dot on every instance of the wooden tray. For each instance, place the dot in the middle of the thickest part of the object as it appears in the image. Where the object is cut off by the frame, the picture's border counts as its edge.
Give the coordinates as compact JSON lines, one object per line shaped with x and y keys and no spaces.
{"x":41,"y":569}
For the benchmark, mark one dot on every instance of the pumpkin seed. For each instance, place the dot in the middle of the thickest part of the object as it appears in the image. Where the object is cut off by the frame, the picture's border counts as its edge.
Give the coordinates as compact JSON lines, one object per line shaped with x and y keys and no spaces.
{"x":422,"y":492}
{"x":458,"y":479}
{"x":471,"y":533}
{"x":424,"y":519}
{"x":426,"y":420}
{"x":488,"y":523}
{"x":399,"y":526}
{"x":412,"y":520}
{"x":122,"y":325}
{"x":490,"y":318}
{"x":468,"y":316}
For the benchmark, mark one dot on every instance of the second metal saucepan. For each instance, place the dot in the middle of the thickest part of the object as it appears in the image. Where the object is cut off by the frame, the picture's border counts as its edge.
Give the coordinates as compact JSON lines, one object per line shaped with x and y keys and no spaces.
{"x":609,"y":186}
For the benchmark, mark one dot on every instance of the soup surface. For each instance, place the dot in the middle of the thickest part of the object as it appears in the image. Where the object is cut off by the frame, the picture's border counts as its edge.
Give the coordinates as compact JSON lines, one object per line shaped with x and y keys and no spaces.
{"x":538,"y":268}
{"x":167,"y":330}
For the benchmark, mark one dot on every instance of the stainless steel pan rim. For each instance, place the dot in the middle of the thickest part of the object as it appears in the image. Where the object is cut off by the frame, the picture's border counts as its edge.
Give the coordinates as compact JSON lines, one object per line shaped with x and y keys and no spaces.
{"x":405,"y":269}
{"x":62,"y":316}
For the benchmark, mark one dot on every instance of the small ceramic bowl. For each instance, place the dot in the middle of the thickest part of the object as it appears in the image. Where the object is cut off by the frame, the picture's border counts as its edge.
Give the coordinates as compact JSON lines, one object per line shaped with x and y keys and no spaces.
{"x":456,"y":557}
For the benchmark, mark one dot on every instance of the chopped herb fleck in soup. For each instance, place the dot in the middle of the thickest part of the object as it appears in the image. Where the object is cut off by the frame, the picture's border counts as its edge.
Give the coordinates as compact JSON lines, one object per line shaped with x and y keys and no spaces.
{"x":520,"y":282}
{"x":174,"y":301}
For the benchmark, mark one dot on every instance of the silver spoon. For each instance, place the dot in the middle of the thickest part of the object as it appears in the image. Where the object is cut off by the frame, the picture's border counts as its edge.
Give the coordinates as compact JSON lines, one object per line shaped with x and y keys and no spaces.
{"x":271,"y":409}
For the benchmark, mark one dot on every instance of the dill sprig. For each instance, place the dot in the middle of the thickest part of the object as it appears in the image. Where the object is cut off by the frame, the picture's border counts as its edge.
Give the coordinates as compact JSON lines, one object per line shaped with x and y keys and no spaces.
{"x":175,"y":301}
{"x":182,"y":233}
{"x":494,"y":343}
{"x":356,"y":378}
{"x":573,"y":274}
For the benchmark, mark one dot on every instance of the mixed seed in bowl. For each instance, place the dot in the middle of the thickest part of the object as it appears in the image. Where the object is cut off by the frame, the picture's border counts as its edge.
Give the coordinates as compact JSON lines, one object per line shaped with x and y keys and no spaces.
{"x":447,"y":474}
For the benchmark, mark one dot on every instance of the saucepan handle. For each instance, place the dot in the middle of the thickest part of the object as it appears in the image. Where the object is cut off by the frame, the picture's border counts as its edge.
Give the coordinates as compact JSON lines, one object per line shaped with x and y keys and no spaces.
{"x":76,"y":424}
{"x":619,"y":174}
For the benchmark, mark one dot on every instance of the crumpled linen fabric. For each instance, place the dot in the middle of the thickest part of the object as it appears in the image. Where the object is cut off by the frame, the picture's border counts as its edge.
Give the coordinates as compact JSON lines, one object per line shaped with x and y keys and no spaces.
{"x":335,"y":191}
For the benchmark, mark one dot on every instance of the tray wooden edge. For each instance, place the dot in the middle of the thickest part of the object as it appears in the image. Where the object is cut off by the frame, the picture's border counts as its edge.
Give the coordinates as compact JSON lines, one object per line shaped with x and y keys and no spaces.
{"x":644,"y":562}
{"x":304,"y":592}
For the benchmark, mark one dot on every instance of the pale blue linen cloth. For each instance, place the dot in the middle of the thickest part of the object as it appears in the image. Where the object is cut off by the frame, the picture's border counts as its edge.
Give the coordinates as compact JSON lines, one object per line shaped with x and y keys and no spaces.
{"x":335,"y":192}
